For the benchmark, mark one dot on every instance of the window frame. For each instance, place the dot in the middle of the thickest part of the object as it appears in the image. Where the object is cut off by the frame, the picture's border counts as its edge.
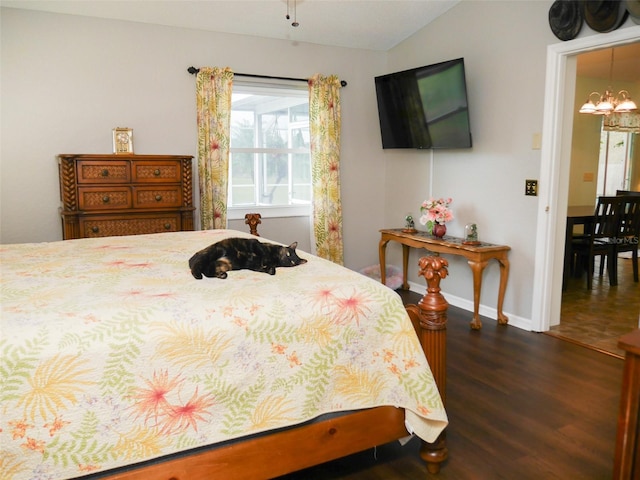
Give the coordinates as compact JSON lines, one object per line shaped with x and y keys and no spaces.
{"x":287,"y":88}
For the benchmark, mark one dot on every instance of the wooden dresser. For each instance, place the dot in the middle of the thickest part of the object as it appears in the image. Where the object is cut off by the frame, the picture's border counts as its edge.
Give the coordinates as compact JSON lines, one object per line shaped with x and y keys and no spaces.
{"x":125,"y":194}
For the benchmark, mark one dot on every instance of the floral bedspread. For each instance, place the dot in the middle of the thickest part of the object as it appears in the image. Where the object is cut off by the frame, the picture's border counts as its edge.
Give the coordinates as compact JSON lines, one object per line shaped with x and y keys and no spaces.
{"x":112,"y":353}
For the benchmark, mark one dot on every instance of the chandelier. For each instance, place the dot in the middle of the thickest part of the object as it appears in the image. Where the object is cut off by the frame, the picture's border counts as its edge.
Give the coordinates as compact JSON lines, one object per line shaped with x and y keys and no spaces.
{"x":608,"y":102}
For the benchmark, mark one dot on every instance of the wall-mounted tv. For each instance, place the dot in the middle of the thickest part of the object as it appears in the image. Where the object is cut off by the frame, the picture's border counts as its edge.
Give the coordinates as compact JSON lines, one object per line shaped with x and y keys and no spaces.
{"x":425,"y":107}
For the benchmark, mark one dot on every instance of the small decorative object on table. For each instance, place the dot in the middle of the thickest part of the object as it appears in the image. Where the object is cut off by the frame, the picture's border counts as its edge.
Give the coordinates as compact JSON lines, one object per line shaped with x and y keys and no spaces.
{"x":122,"y":140}
{"x":409,"y":225}
{"x":471,"y":234}
{"x":435,"y":213}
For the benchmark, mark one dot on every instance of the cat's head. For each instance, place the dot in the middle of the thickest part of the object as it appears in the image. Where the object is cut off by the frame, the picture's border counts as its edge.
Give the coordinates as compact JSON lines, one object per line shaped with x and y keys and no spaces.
{"x":289,"y":257}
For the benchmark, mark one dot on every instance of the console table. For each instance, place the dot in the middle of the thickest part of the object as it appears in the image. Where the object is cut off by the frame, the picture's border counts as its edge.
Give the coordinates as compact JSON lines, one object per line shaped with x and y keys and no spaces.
{"x":477,"y":255}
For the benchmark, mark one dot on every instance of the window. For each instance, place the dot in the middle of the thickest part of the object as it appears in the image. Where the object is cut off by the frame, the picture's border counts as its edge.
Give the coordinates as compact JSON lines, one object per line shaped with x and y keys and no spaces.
{"x":614,"y":165}
{"x":270,"y":163}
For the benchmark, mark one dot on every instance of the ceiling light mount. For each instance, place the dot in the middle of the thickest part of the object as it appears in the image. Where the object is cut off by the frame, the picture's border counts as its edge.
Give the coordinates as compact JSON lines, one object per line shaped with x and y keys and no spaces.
{"x":295,"y":13}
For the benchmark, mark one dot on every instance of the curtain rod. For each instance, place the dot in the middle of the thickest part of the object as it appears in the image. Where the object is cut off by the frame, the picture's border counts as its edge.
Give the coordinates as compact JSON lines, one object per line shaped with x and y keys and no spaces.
{"x":194,"y":70}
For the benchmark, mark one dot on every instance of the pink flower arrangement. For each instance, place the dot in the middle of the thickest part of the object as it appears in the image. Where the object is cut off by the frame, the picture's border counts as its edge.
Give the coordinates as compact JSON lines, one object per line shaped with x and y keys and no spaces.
{"x":435,"y":211}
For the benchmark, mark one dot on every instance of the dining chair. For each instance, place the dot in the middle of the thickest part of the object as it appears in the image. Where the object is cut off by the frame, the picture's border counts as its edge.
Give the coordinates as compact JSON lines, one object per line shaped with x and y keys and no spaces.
{"x":627,"y":193}
{"x":627,"y":238}
{"x":599,"y":240}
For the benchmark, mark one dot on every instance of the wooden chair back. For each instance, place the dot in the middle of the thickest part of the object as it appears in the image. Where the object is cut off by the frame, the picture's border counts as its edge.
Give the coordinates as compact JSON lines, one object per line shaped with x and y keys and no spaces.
{"x":628,"y":237}
{"x":606,"y":219}
{"x":630,"y":219}
{"x":627,"y":193}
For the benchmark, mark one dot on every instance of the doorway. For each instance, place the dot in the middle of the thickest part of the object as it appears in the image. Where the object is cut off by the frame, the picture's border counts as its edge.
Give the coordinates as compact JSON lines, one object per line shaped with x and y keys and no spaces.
{"x":554,"y":169}
{"x":602,"y":158}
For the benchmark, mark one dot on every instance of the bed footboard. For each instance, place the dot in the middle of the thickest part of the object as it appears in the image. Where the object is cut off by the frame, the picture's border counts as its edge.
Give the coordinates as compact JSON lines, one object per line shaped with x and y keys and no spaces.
{"x":429,"y":318}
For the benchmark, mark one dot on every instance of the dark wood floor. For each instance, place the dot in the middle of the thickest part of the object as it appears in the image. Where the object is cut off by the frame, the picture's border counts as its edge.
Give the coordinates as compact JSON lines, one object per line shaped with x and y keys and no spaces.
{"x":521,"y":405}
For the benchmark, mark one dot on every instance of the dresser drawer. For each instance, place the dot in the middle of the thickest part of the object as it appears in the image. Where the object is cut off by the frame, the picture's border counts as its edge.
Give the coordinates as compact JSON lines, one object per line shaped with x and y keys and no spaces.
{"x":157,"y":197}
{"x":104,"y":198}
{"x":156,"y":172}
{"x":131,"y":224}
{"x":96,"y":171}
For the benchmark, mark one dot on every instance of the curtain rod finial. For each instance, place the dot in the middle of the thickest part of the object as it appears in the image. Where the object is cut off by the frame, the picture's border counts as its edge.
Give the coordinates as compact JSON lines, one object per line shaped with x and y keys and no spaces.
{"x":193,"y":70}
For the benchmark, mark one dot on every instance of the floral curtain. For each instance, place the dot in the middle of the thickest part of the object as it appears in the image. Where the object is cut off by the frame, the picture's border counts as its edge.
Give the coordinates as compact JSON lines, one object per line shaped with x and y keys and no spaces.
{"x":324,"y":126}
{"x":213,"y":100}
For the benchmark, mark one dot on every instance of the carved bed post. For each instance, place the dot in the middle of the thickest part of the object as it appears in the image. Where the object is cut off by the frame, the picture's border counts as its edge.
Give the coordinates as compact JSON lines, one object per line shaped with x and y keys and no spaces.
{"x":253,"y":219}
{"x":429,"y":318}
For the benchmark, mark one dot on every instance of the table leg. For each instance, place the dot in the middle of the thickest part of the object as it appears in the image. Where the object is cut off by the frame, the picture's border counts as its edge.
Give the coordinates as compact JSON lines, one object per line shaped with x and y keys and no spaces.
{"x":405,"y":266}
{"x":477,"y":269}
{"x":504,"y":276}
{"x":382,"y":248}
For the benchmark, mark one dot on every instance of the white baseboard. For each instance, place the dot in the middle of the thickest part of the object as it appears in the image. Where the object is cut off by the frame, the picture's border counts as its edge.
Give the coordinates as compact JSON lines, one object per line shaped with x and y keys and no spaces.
{"x":483,"y":310}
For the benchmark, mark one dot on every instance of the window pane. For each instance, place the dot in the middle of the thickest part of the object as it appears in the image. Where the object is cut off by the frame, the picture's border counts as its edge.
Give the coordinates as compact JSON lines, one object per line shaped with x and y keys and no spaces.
{"x":242,"y":129}
{"x":300,"y":112}
{"x":301,"y":175}
{"x":300,"y":137}
{"x":613,"y":165}
{"x":275,"y":176}
{"x":275,"y":129}
{"x":242,"y":180}
{"x":243,"y":195}
{"x":301,"y":168}
{"x":270,"y":161}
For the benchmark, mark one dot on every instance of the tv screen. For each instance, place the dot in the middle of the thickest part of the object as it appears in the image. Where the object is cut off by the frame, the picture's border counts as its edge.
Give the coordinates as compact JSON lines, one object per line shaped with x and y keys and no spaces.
{"x":424,"y":107}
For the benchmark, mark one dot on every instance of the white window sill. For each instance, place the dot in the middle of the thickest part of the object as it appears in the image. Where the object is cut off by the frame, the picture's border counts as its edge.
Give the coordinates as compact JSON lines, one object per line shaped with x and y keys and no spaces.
{"x":267,"y":211}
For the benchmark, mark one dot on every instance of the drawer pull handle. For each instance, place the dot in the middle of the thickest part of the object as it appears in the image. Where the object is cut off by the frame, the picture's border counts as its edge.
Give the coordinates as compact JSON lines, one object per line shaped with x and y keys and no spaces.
{"x":95,"y":229}
{"x":158,"y":198}
{"x":167,"y":226}
{"x":105,"y":173}
{"x":157,"y":172}
{"x":105,"y":199}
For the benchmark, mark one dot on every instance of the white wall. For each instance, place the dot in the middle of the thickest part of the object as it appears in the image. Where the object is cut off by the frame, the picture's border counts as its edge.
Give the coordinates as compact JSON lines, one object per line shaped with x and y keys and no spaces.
{"x":504,"y":45}
{"x":67,"y":81}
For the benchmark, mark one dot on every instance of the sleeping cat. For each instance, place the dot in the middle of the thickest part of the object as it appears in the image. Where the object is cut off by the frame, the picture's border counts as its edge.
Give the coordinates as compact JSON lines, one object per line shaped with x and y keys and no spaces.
{"x":242,"y":253}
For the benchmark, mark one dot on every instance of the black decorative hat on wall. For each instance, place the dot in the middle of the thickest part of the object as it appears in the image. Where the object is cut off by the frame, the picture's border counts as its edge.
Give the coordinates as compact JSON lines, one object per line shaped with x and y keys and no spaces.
{"x":604,"y":15}
{"x":565,"y":19}
{"x":633,"y":8}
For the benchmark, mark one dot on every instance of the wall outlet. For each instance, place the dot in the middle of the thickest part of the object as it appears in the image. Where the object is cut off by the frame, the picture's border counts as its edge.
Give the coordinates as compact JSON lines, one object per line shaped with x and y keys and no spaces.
{"x":531,"y":188}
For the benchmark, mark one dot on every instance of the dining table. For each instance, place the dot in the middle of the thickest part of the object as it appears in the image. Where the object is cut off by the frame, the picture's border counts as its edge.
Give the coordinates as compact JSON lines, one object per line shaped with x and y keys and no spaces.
{"x":576,"y":215}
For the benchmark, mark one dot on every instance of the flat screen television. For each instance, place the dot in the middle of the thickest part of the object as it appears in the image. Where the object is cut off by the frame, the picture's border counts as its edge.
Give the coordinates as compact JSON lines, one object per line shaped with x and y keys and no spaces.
{"x":425,"y":107}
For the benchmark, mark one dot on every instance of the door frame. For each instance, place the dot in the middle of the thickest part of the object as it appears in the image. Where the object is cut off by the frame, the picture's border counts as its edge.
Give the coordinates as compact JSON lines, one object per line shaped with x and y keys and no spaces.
{"x":554,"y":172}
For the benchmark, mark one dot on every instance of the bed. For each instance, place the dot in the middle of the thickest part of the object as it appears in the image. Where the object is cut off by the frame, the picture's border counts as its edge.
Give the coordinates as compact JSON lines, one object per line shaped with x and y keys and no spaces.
{"x":116,"y":363}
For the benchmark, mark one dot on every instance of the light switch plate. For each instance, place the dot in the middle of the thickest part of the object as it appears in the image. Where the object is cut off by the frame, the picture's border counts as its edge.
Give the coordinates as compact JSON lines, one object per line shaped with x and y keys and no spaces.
{"x":536,"y":141}
{"x":531,"y":188}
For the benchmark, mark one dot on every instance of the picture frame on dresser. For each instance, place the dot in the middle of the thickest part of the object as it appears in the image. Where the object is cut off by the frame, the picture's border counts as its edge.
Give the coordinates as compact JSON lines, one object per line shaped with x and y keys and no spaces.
{"x":122,"y":140}
{"x":125,"y":194}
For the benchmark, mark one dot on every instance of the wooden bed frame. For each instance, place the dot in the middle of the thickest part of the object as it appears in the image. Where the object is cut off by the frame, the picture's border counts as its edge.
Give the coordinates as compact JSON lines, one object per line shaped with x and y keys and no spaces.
{"x":289,"y":450}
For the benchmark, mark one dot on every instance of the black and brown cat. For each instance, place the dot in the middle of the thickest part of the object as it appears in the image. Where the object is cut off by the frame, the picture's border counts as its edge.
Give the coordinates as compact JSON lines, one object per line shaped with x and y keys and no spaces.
{"x":242,"y":253}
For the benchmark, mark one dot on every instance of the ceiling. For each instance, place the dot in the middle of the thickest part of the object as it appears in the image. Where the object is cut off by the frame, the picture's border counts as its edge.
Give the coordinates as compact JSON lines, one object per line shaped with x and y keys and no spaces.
{"x":597,"y":64}
{"x":372,"y":25}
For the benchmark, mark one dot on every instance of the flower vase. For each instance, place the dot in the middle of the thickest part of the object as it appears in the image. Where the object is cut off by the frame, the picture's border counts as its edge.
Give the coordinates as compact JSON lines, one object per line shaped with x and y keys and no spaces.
{"x":439,"y":230}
